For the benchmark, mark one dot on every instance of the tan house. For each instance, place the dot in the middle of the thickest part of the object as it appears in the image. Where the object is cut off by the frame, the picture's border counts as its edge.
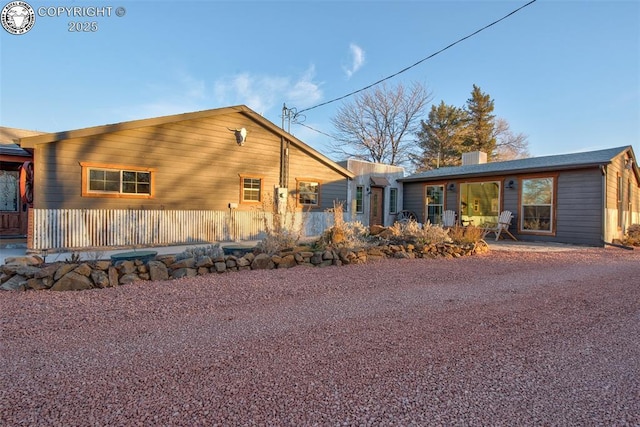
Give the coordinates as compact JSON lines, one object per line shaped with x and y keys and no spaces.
{"x":194,"y":177}
{"x":15,"y":182}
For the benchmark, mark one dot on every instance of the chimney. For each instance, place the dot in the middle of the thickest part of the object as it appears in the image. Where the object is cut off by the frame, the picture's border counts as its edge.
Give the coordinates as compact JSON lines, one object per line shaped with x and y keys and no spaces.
{"x":474,"y":158}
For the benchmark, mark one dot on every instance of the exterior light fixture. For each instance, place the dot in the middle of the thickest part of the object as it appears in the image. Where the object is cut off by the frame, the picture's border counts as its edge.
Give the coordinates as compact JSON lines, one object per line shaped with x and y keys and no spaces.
{"x":452,"y":187}
{"x":511,"y":184}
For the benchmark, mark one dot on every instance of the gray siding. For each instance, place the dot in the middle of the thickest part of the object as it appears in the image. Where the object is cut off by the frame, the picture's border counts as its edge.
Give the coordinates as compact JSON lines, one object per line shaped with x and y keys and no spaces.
{"x":413,"y":198}
{"x":580,"y":207}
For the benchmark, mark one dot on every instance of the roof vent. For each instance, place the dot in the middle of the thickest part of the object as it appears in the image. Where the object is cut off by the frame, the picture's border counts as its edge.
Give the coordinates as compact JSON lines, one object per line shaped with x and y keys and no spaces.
{"x":474,"y":158}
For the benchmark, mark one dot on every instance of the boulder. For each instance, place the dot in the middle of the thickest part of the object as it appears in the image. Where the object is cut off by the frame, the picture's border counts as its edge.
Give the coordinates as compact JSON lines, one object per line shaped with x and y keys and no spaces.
{"x":48,"y":271}
{"x":62,"y":270}
{"x":183,"y":263}
{"x":184,"y":272}
{"x":158,"y":271}
{"x":102,"y":265}
{"x":262,"y":262}
{"x":287,"y":261}
{"x":23,"y":260}
{"x":243,"y":262}
{"x":204,"y":261}
{"x":126,"y":267}
{"x":83,"y":269}
{"x":100,"y":278}
{"x":16,"y":283}
{"x":39,"y":284}
{"x":28,"y":270}
{"x":113,"y":277}
{"x":128,"y":278}
{"x":72,"y":281}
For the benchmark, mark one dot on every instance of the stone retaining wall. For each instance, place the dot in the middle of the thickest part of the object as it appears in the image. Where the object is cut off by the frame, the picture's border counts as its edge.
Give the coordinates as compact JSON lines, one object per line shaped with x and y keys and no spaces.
{"x":31,"y":273}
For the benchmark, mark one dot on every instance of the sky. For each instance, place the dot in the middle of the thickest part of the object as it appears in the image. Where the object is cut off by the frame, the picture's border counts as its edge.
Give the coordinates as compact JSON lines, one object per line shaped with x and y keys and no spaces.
{"x":564,"y":73}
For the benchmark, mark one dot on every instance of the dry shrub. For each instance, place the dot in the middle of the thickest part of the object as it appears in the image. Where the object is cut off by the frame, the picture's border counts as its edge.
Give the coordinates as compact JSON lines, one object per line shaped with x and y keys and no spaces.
{"x":426,"y":234}
{"x":633,"y":235}
{"x":465,"y":235}
{"x":343,"y":234}
{"x":282,"y":228}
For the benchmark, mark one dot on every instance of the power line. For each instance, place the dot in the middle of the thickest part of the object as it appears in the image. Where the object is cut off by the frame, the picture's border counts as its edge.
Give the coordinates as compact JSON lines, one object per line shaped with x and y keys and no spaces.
{"x":420,"y":61}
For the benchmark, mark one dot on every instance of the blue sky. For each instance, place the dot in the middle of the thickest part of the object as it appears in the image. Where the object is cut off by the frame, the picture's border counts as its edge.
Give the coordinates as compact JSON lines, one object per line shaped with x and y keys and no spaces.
{"x":564,"y":73}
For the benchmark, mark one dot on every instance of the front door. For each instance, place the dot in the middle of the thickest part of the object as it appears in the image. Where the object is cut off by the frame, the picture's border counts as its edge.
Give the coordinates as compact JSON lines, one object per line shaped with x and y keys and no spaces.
{"x":376,"y":204}
{"x":13,"y":212}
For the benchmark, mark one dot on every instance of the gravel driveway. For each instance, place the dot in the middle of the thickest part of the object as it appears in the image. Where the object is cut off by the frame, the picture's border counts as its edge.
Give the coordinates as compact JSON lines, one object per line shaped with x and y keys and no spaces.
{"x":507,"y":338}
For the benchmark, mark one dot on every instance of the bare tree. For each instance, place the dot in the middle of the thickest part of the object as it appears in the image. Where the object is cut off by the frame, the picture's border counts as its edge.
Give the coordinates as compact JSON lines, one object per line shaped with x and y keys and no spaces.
{"x":509,"y":146}
{"x":378,"y":126}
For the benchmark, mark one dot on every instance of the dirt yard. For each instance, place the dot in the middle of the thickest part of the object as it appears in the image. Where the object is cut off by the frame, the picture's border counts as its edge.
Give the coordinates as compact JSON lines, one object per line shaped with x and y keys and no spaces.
{"x":508,"y":338}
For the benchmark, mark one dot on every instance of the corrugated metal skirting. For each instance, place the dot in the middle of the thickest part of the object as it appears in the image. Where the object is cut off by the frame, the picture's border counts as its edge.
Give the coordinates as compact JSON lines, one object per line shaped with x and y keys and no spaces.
{"x":87,"y":228}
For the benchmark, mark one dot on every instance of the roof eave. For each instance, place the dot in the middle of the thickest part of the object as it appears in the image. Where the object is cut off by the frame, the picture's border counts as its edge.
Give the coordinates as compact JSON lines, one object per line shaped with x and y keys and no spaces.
{"x":517,"y":171}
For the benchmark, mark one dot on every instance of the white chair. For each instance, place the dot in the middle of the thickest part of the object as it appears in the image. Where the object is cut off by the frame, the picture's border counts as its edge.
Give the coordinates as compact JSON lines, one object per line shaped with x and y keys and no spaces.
{"x":502,"y":226}
{"x":448,"y":219}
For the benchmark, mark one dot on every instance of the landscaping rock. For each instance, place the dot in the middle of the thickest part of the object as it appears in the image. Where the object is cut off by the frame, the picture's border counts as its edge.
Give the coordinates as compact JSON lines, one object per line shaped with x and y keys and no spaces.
{"x":158,"y":270}
{"x":128,"y":278}
{"x":62,"y":270}
{"x":262,"y":262}
{"x":287,"y":261}
{"x":83,"y":269}
{"x":113,"y":277}
{"x":72,"y":281}
{"x":100,"y":278}
{"x":16,"y":283}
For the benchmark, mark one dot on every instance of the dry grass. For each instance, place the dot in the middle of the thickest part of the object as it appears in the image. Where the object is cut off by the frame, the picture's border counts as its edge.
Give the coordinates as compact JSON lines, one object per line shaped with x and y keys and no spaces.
{"x":350,"y":234}
{"x":465,"y":235}
{"x":282,"y":226}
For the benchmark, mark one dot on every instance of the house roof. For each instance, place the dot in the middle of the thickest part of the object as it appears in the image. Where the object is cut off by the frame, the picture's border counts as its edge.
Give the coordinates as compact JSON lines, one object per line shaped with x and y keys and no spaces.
{"x":8,"y":138}
{"x":533,"y":164}
{"x":33,"y":141}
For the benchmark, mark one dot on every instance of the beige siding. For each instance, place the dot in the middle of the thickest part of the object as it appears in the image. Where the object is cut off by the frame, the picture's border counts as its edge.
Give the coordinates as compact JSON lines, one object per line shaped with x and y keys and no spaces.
{"x":333,"y":184}
{"x":198,"y":164}
{"x":616,"y":222}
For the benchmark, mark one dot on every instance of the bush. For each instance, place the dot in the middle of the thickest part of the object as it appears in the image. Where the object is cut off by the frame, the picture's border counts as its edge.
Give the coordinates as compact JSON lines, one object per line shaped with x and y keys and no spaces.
{"x":343,"y":234}
{"x":465,"y":235}
{"x":426,"y":234}
{"x":632,"y":236}
{"x":212,"y":251}
{"x":282,"y":229}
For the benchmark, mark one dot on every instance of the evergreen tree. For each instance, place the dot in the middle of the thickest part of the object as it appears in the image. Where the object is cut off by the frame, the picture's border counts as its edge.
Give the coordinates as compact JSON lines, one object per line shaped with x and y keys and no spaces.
{"x":481,"y":124}
{"x":441,"y":137}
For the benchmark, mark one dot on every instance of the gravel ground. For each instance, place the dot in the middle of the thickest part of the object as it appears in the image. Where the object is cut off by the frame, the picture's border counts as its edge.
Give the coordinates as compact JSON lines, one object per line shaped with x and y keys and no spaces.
{"x":506,"y":338}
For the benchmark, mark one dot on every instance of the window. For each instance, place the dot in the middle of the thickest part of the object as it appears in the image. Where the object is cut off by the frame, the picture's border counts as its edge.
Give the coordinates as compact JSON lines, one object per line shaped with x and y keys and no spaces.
{"x":251,"y":189}
{"x":537,"y":205}
{"x":359,"y":199}
{"x":393,"y":200}
{"x":479,"y":202}
{"x":114,"y":181}
{"x":9,"y":191}
{"x":619,"y":192}
{"x":308,"y":193}
{"x":434,"y":201}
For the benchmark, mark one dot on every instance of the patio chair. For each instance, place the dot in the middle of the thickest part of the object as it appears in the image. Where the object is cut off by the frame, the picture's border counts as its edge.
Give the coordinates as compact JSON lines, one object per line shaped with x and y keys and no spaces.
{"x":448,"y":219}
{"x":502,"y":226}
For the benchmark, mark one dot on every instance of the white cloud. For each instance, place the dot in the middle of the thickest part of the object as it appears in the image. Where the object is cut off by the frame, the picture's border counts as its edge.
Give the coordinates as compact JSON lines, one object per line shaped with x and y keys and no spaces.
{"x":357,"y":60}
{"x":262,"y":93}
